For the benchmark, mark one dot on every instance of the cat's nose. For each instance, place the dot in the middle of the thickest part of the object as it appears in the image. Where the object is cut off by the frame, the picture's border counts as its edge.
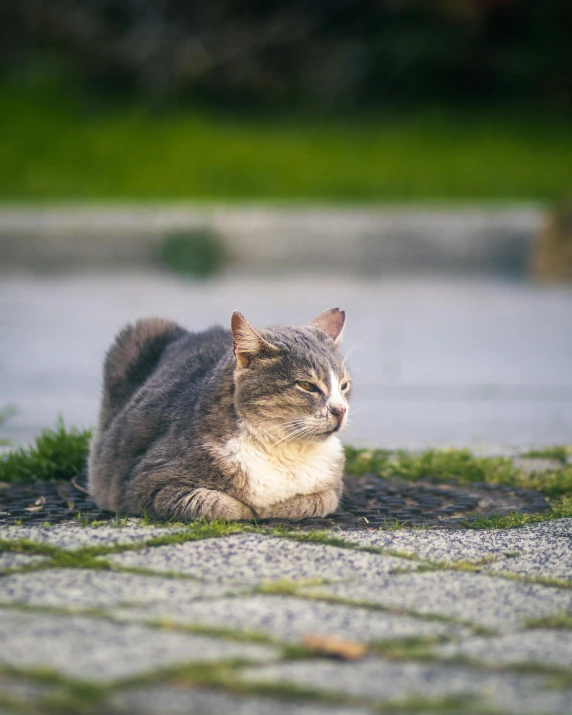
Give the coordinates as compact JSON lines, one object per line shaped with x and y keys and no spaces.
{"x":338,"y":413}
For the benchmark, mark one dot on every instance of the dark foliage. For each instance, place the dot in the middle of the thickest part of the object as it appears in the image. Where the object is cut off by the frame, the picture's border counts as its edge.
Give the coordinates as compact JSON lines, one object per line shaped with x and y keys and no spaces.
{"x":337,"y":53}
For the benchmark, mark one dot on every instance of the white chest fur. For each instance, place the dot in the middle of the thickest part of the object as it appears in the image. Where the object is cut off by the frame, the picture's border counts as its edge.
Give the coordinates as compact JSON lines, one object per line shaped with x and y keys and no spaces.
{"x":285,"y":471}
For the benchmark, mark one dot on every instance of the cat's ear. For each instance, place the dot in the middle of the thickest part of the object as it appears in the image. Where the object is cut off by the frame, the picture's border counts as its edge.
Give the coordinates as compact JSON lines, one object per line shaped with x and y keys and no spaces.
{"x":332,"y":323}
{"x":248,"y":343}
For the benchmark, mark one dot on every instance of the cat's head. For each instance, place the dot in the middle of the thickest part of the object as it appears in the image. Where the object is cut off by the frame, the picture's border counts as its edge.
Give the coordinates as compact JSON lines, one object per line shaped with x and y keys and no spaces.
{"x":291,"y":383}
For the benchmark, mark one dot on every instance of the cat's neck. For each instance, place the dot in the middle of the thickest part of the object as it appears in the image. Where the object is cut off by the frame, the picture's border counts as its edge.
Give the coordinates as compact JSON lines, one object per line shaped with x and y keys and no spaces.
{"x":273,"y":447}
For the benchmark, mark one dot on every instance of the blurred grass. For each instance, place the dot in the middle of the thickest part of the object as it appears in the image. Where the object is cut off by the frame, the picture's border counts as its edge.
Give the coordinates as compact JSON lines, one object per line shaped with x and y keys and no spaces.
{"x":57,"y":147}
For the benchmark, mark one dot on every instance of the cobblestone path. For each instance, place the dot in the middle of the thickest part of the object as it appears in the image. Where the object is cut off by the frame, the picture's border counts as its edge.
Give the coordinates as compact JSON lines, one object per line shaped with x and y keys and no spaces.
{"x":135,"y":618}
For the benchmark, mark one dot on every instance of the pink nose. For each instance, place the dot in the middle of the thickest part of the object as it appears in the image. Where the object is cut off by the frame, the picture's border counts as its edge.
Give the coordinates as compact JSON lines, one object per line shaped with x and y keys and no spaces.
{"x":338,"y":413}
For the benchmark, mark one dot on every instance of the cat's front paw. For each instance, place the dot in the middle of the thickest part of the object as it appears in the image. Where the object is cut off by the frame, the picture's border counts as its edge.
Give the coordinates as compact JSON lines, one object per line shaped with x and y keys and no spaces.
{"x":212,"y":505}
{"x":330,"y":501}
{"x":303,"y":506}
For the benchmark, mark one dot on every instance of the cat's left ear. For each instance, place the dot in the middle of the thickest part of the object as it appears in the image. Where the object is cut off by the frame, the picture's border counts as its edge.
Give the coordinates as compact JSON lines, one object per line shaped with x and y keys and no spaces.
{"x":332,"y":323}
{"x":247,"y":342}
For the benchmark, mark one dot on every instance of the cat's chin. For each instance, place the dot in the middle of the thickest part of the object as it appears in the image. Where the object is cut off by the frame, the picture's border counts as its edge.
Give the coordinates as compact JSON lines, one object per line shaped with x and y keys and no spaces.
{"x":328,"y":433}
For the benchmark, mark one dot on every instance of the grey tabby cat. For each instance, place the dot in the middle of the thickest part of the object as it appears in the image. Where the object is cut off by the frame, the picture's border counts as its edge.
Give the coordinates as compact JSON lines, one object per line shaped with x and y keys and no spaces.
{"x":238,"y":424}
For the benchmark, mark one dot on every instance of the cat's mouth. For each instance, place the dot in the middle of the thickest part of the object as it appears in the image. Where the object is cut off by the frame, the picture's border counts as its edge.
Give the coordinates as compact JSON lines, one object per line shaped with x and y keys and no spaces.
{"x":329,"y":432}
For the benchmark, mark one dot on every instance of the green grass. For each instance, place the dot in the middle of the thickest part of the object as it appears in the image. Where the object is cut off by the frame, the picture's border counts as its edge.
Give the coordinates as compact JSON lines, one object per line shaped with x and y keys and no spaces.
{"x":556,"y":452}
{"x":61,"y":454}
{"x":62,"y":148}
{"x":56,"y":454}
{"x":559,"y":509}
{"x":459,"y":466}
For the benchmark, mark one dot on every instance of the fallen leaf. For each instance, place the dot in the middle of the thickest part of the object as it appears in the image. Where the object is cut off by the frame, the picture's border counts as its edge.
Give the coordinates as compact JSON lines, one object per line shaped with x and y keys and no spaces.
{"x":334,"y":647}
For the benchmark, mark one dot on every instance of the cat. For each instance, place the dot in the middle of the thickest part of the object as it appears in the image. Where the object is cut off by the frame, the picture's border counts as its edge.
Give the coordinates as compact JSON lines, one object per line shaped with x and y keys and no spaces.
{"x":234,"y":425}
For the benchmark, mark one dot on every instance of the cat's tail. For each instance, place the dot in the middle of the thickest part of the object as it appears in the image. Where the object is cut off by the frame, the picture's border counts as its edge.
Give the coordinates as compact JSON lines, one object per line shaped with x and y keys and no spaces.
{"x":130,"y":361}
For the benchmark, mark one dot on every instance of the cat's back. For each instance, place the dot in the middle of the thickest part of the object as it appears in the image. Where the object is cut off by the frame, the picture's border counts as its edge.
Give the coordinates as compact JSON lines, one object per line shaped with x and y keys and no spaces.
{"x":155,"y":363}
{"x":185,"y":367}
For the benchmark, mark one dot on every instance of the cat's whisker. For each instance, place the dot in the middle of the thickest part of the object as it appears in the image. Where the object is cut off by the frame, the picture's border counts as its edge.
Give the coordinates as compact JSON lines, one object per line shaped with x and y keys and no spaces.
{"x":301,"y":434}
{"x":293,"y":423}
{"x":292,"y":434}
{"x":356,"y":412}
{"x":353,"y":347}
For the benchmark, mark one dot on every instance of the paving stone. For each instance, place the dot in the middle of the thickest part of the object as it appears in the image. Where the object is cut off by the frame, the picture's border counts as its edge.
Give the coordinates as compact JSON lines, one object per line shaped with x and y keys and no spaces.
{"x":384,"y":681}
{"x":482,"y":600}
{"x":543,"y":549}
{"x":541,"y":646}
{"x":182,"y":701}
{"x":74,"y":588}
{"x":12,"y":560}
{"x":288,"y":618}
{"x":74,"y":536}
{"x":252,"y":558}
{"x":555,"y":562}
{"x":20,"y":691}
{"x":97,"y":650}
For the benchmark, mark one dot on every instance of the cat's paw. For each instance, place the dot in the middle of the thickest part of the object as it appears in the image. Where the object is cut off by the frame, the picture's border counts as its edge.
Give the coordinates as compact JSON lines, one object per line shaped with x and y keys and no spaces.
{"x":330,"y":500}
{"x":212,"y":505}
{"x":303,"y":506}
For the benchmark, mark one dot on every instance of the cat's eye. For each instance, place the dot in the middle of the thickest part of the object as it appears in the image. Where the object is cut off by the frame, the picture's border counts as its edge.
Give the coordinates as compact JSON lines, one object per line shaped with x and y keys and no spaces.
{"x":344,"y":386}
{"x":308,"y":386}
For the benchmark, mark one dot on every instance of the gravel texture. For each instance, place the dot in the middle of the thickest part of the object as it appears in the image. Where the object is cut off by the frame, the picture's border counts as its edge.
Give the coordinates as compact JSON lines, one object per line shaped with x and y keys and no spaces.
{"x":539,"y":646}
{"x":13,"y":560}
{"x":543,"y":549}
{"x":389,"y":681}
{"x":290,"y":619}
{"x":83,"y":589}
{"x":74,"y":536}
{"x":251,"y":558}
{"x":476,"y":616}
{"x":479,"y":599}
{"x":181,"y":701}
{"x":97,"y":650}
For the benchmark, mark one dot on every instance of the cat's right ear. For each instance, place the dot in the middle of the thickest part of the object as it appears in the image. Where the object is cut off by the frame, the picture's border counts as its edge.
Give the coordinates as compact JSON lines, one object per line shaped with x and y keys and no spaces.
{"x":332,"y":323}
{"x":247,"y":342}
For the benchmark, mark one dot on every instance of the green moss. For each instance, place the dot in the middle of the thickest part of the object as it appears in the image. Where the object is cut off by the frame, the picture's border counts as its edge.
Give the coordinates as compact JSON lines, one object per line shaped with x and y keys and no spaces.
{"x":66,"y":696}
{"x":562,"y":620}
{"x":223,"y":677}
{"x":420,"y":648}
{"x":286,"y":587}
{"x":449,"y":705}
{"x":56,"y":454}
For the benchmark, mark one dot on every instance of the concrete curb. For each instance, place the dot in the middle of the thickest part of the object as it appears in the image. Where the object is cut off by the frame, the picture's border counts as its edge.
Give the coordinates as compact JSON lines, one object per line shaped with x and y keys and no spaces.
{"x":277,"y":239}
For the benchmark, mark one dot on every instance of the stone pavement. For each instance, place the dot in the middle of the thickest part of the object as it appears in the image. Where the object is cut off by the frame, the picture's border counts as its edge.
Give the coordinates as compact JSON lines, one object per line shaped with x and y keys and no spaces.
{"x":436,"y":363}
{"x":135,"y":618}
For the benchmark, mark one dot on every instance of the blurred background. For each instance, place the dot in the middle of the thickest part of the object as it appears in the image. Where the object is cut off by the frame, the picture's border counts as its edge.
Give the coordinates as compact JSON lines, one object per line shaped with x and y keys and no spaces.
{"x":409,"y":161}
